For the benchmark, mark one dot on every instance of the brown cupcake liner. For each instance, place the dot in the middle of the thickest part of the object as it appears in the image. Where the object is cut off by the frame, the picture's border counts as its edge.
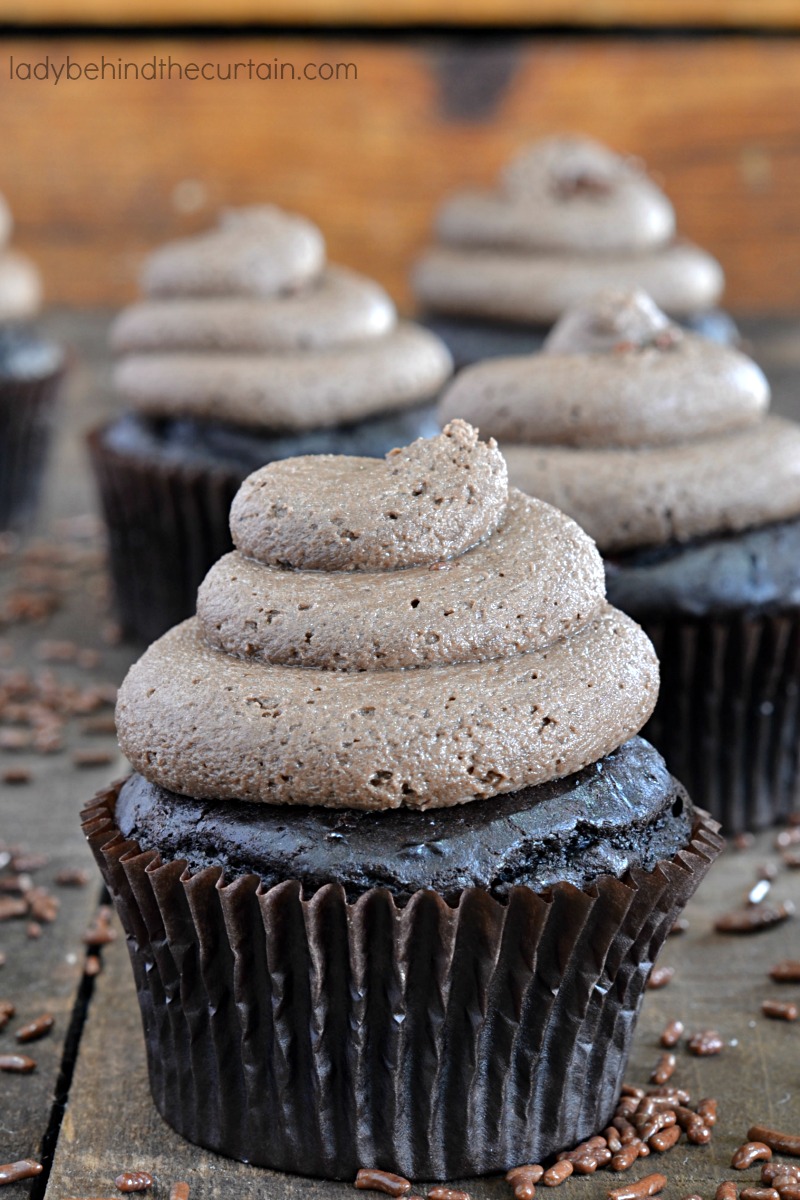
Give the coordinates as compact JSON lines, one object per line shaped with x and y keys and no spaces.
{"x":167,"y":525}
{"x":26,"y":416}
{"x":728,"y":714}
{"x":317,"y":1036}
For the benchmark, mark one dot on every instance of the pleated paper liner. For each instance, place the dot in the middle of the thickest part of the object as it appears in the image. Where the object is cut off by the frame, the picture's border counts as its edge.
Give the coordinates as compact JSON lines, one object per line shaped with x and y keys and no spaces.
{"x":317,"y":1036}
{"x":26,"y":416}
{"x":167,"y":525}
{"x":728,"y":714}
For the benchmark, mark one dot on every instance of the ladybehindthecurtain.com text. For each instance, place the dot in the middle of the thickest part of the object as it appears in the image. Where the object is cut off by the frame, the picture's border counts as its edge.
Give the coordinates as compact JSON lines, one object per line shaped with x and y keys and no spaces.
{"x":155,"y":69}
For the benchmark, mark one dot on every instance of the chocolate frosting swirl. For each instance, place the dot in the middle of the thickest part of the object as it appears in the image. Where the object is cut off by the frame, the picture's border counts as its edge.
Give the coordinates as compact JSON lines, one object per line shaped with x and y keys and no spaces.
{"x":569,"y":217}
{"x":20,"y":287}
{"x":247,"y":324}
{"x":642,"y":432}
{"x":400,"y":633}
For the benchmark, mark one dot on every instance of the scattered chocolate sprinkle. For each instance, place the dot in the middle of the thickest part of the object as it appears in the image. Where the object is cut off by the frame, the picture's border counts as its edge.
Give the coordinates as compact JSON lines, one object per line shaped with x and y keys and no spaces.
{"x":53,"y":651}
{"x":758,"y":1193}
{"x":787,"y":838}
{"x":660,"y":977}
{"x":16,"y":775}
{"x":726,"y":1191}
{"x":133,"y":1181}
{"x":665,"y":1139}
{"x":626,"y":1157}
{"x":754,"y":919}
{"x":791,"y":859}
{"x":33,"y":931}
{"x":375,"y":1180}
{"x":445,"y":1193}
{"x":705,"y":1042}
{"x":18,"y":1064}
{"x":779,"y":1010}
{"x":99,"y":725}
{"x":743,"y":841}
{"x":749,"y":1153}
{"x":179,"y":1191}
{"x":11,"y":907}
{"x":523,"y":1180}
{"x":771,"y":1172}
{"x":781,"y":1143}
{"x":2,"y":958}
{"x":93,"y":965}
{"x":707,"y":1110}
{"x":43,"y":905}
{"x":26,"y":1168}
{"x":672,"y":1034}
{"x":72,"y":877}
{"x":648,"y":1186}
{"x":679,"y":926}
{"x":664,"y":1069}
{"x":555,"y":1175}
{"x":786,"y":971}
{"x":36,"y":1029}
{"x":92,"y":758}
{"x":693,"y":1196}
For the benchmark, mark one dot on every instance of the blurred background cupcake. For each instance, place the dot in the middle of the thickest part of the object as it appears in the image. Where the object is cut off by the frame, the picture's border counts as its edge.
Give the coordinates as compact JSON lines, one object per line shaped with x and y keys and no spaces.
{"x":659,"y":443}
{"x":248,"y":347}
{"x":31,"y":366}
{"x":568,"y":217}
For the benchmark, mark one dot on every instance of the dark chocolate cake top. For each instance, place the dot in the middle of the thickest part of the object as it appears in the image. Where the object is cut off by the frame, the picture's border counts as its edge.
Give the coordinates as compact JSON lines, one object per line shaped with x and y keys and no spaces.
{"x":620,"y":812}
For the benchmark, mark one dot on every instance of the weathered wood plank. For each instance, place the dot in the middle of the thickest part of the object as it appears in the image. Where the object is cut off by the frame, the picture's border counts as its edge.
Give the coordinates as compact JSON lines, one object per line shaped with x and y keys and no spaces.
{"x":45,"y":974}
{"x":729,"y":14}
{"x":98,"y":172}
{"x":111,"y":1123}
{"x":109,"y":1098}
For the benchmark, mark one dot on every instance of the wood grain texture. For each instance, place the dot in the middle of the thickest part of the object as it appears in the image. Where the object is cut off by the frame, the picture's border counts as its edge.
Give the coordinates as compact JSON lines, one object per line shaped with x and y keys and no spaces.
{"x":97,"y":171}
{"x":111,"y":1122}
{"x":45,"y":974}
{"x":698,"y":13}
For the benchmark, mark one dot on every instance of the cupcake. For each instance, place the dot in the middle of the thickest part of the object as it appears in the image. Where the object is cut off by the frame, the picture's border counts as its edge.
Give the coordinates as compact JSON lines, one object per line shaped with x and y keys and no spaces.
{"x":568,"y":218}
{"x":660,"y":444}
{"x":31,"y":367}
{"x":393,"y":865}
{"x":247,"y":348}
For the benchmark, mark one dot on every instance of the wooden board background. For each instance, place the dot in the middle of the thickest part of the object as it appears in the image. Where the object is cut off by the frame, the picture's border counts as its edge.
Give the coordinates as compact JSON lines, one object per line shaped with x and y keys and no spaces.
{"x":99,"y":171}
{"x":727,"y":13}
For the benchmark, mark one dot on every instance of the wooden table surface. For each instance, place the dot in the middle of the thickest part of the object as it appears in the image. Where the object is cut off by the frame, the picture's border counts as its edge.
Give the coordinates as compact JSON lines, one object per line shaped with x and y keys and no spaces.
{"x":88,"y":1100}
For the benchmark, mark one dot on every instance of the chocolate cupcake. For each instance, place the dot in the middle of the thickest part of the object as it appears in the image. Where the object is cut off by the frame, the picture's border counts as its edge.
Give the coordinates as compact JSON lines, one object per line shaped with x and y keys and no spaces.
{"x":568,"y":218}
{"x":31,"y":367}
{"x":247,"y":348}
{"x":393,"y":866}
{"x":659,"y":443}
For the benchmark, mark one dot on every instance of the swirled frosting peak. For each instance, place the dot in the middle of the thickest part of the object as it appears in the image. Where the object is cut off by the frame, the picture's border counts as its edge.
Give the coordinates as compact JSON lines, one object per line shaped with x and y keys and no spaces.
{"x":466,"y":649}
{"x":248,"y":324}
{"x":568,"y":217}
{"x":421,"y":504}
{"x":641,"y":431}
{"x":20,"y":287}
